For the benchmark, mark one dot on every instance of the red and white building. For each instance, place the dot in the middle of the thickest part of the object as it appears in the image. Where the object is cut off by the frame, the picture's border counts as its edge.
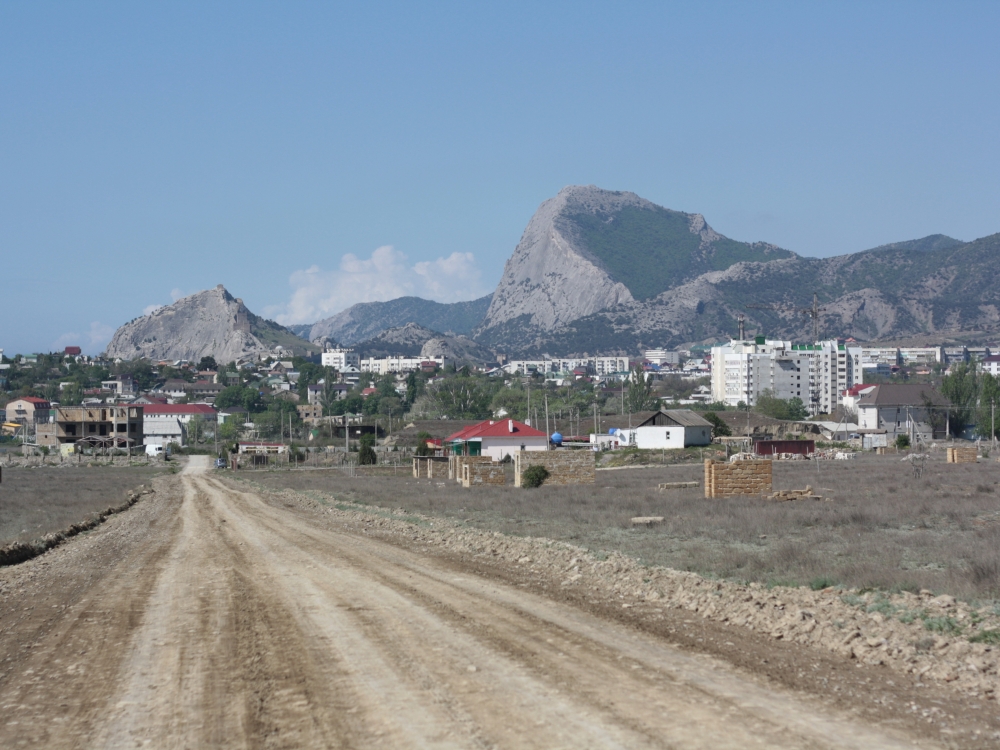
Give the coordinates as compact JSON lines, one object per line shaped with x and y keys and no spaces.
{"x":168,"y":423}
{"x":497,"y":439}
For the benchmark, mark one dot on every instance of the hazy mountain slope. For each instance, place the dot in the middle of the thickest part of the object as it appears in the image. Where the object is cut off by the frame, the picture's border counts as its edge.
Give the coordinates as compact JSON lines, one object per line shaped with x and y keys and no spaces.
{"x":413,"y":340}
{"x":367,"y":319}
{"x":210,"y":323}
{"x":936,"y":286}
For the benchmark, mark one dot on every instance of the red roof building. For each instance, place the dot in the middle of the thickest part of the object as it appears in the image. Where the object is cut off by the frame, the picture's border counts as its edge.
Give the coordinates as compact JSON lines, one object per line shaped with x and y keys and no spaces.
{"x":498,"y":439}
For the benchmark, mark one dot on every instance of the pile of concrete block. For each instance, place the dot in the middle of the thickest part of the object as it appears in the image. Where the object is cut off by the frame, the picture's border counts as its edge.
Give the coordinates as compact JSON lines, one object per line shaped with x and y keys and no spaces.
{"x":737,"y":478}
{"x":786,"y":495}
{"x":965,"y":455}
{"x":664,"y":486}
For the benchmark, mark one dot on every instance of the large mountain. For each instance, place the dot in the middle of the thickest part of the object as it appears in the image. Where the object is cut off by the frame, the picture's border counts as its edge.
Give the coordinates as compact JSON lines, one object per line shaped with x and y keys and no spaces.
{"x":367,"y":319}
{"x":211,"y":323}
{"x":588,"y":250}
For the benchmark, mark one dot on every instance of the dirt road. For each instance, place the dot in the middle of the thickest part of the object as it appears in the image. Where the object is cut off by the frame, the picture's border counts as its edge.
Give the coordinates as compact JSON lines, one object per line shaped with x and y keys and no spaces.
{"x":215,"y":619}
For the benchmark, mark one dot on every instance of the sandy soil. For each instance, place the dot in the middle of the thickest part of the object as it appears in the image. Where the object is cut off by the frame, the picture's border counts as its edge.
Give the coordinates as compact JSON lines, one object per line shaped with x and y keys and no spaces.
{"x":213,"y":618}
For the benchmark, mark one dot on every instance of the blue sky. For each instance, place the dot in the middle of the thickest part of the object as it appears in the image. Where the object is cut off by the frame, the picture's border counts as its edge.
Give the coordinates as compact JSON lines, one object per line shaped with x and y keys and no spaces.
{"x":309,"y":156}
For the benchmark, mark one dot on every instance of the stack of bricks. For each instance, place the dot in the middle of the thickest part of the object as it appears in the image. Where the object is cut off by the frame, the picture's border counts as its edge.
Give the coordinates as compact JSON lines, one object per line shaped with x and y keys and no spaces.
{"x":476,"y":474}
{"x":967,"y":455}
{"x":455,"y":464}
{"x":564,"y":467}
{"x":737,"y":478}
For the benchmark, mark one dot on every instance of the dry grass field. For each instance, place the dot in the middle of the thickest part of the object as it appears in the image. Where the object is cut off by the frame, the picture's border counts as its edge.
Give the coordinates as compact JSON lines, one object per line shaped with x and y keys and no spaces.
{"x":882,"y":527}
{"x":37,"y":501}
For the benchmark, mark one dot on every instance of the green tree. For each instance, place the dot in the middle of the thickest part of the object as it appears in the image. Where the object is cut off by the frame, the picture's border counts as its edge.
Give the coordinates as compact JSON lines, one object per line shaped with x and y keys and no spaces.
{"x":366,"y":453}
{"x":777,"y":408}
{"x":238,"y":395}
{"x":639,"y":392}
{"x":962,"y":388}
{"x":208,"y":363}
{"x":719,"y":428}
{"x":423,"y":449}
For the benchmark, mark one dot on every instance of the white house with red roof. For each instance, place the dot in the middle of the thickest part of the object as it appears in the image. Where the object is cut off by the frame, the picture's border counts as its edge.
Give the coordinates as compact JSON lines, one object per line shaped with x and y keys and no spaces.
{"x":28,"y":410}
{"x":168,"y":423}
{"x":497,"y":439}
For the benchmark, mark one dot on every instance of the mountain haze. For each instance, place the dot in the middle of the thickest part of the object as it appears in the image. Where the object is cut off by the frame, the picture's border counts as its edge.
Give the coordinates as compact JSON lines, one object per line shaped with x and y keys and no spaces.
{"x":366,"y":320}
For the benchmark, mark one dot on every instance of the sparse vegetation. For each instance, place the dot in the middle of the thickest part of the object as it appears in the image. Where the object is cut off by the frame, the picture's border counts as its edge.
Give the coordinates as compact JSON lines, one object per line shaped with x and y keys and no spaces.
{"x":534,"y":476}
{"x":938,"y":532}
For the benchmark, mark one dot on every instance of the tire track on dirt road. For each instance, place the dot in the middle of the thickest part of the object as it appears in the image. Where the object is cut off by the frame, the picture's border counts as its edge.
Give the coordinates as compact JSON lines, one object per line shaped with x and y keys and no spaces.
{"x":258,"y":629}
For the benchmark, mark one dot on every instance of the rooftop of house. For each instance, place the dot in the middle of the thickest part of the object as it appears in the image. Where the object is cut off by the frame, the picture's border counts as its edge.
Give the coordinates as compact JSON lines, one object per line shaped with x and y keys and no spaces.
{"x":496,"y":428}
{"x":903,"y":394}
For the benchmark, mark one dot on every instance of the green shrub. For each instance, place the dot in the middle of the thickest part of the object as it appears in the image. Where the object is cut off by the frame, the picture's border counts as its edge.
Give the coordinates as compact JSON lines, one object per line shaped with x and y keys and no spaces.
{"x":366,"y":455}
{"x":533,"y":476}
{"x":991,"y":637}
{"x":818,"y":584}
{"x":902,"y":442}
{"x":946,"y":625}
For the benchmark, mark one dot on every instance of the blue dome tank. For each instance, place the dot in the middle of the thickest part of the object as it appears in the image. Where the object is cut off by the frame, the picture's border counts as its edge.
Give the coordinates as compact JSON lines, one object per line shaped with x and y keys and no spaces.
{"x":557,"y":438}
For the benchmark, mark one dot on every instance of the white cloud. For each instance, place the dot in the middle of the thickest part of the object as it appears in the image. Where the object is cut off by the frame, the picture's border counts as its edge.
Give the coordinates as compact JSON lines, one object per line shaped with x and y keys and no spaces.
{"x":149,"y":309}
{"x":176,"y":294}
{"x":92,"y":341}
{"x":387,"y":274}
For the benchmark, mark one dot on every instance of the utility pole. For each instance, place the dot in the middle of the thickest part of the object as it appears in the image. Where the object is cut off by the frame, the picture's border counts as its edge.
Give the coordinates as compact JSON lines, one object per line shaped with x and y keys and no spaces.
{"x":547,"y":433}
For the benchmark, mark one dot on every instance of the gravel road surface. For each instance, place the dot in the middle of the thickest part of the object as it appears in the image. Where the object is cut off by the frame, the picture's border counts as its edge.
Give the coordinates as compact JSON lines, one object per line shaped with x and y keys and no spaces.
{"x":207,"y":617}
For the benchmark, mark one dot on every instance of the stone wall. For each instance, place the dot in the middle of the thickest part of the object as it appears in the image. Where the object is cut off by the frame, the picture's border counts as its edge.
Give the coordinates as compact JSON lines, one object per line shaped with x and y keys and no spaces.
{"x":423,"y":467}
{"x":564,"y":467}
{"x":964,"y":455}
{"x":737,"y":478}
{"x":455,"y":464}
{"x":475,"y":474}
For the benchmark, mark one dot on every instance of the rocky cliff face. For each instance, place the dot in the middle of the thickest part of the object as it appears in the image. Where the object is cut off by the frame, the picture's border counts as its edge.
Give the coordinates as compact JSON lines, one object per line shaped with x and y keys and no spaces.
{"x":587,"y":250}
{"x":212,"y":323}
{"x":550,"y":278}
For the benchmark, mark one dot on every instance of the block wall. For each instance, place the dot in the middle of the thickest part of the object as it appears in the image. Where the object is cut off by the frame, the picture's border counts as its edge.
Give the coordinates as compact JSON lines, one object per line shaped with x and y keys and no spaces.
{"x":455,"y":464}
{"x":478,"y":474}
{"x":564,"y":467}
{"x":964,"y":455}
{"x":737,"y":478}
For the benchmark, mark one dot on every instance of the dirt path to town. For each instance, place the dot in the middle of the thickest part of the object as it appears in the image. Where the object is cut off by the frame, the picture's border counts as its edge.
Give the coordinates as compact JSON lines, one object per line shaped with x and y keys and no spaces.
{"x":224,"y":621}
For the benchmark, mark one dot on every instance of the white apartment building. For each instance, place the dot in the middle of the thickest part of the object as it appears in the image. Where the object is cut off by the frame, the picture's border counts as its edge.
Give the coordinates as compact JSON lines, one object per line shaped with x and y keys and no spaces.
{"x":879,"y":355}
{"x":384,"y":365}
{"x":596,"y":365}
{"x":921,"y":355}
{"x":663,"y":357}
{"x":816,"y":373}
{"x":340,"y":358}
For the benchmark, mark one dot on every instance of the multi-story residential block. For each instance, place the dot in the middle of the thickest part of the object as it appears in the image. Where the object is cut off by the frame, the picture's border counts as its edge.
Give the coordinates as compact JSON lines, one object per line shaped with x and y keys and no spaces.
{"x":921,"y":355}
{"x":815,"y":373}
{"x":875,"y":355}
{"x":384,"y":365}
{"x":663,"y":357}
{"x":340,"y":358}
{"x":601,"y":366}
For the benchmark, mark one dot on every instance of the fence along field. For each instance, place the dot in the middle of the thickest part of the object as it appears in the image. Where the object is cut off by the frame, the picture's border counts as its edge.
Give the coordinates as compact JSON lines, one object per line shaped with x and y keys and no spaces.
{"x":882,"y":527}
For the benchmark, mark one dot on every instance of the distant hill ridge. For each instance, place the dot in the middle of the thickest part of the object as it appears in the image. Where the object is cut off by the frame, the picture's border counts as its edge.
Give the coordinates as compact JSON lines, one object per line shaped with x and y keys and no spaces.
{"x":608,"y":271}
{"x":211,"y":323}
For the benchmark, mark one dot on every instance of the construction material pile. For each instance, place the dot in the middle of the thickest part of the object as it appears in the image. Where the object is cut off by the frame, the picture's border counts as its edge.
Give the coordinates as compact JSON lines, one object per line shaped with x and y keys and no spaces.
{"x":785,"y":495}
